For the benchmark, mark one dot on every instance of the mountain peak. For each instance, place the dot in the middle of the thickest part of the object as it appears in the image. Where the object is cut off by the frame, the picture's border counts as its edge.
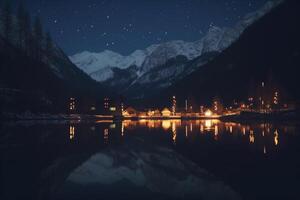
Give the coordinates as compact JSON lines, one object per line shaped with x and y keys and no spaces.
{"x":216,"y":40}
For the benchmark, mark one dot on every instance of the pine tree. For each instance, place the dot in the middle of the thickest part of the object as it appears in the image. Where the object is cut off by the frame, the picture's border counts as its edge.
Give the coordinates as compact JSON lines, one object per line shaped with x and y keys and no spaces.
{"x":38,"y":36}
{"x":21,"y":25}
{"x":6,"y":19}
{"x":49,"y":44}
{"x":28,"y":46}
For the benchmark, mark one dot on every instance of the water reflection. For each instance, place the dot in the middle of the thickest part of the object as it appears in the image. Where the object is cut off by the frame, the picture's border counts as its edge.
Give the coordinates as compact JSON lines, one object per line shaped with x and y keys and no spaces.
{"x":259,"y":133}
{"x":72,"y":132}
{"x":146,"y":151}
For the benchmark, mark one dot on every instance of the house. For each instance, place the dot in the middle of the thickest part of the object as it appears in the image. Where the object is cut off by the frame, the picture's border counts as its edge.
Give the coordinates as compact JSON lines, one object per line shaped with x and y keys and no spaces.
{"x":129,"y":112}
{"x":166,"y":112}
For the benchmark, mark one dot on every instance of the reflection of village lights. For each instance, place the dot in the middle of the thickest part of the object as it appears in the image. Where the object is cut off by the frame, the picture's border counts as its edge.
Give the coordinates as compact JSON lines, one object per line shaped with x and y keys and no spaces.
{"x":208,"y":113}
{"x":230,"y":129}
{"x":122,"y":128}
{"x":208,"y":124}
{"x":105,"y":134}
{"x":151,"y":124}
{"x":216,"y":130}
{"x":276,"y":137}
{"x":166,"y":124}
{"x":174,"y":132}
{"x":251,"y":136}
{"x":244,"y":131}
{"x":201,"y":128}
{"x":265,"y":150}
{"x":186,"y":131}
{"x":72,"y":132}
{"x":191,"y":127}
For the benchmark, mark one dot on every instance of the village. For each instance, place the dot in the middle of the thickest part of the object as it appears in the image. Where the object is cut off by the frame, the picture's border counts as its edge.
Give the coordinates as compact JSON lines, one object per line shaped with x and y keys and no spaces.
{"x":266,"y":102}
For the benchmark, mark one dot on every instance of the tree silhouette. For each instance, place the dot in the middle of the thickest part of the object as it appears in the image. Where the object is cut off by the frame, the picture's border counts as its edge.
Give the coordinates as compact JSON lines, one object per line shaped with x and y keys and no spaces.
{"x":6,"y":19}
{"x":21,"y":25}
{"x":49,"y":44}
{"x":38,"y":37}
{"x":28,"y":46}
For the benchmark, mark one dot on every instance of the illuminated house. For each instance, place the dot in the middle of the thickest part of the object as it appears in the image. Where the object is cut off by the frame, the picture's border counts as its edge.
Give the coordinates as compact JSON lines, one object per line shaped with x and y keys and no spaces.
{"x":150,"y":113}
{"x":143,"y":114}
{"x":157,"y":113}
{"x":208,"y":113}
{"x":72,"y":104}
{"x":129,"y":112}
{"x":166,"y":112}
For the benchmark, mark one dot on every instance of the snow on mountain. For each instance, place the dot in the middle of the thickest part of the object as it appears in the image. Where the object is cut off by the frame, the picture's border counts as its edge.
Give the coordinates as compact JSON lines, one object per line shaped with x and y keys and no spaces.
{"x":166,"y":51}
{"x":95,"y":64}
{"x":100,"y":65}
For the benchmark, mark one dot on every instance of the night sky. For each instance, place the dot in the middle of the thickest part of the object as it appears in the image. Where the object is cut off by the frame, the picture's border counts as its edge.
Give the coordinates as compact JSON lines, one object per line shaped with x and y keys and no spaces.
{"x":126,"y":25}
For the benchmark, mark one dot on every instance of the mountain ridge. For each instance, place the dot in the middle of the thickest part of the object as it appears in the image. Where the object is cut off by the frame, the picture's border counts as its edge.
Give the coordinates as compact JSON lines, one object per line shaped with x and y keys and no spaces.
{"x":99,"y":65}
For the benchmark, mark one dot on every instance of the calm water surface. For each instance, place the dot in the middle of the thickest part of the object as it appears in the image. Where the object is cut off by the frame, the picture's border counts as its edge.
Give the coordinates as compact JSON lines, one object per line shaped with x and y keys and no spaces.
{"x":200,"y":159}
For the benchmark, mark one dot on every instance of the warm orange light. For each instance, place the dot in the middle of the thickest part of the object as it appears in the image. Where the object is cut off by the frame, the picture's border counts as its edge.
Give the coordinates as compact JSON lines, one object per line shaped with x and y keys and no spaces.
{"x":166,"y":112}
{"x":72,"y":132}
{"x":105,"y":135}
{"x":166,"y":124}
{"x":276,"y":137}
{"x":251,"y":136}
{"x":174,"y":132}
{"x":208,"y":113}
{"x":208,"y":124}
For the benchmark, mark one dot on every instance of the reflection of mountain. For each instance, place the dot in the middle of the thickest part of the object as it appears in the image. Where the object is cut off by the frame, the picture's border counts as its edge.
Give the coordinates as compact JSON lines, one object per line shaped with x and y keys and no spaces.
{"x":141,"y":167}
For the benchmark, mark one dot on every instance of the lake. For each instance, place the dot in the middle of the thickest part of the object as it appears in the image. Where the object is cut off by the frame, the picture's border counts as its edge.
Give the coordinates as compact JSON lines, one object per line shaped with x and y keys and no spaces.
{"x":149,"y":159}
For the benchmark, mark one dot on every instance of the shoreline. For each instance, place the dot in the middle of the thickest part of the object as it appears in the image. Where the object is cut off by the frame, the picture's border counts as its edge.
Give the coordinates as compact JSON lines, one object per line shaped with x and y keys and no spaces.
{"x":294,"y":116}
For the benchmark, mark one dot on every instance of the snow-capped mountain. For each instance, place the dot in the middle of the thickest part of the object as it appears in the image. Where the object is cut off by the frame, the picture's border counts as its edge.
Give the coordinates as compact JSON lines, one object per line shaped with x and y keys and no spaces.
{"x":101,"y":66}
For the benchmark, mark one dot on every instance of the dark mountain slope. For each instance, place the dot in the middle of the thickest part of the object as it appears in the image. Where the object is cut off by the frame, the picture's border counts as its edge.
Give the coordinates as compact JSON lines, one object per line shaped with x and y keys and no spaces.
{"x":269,"y":46}
{"x":40,"y":86}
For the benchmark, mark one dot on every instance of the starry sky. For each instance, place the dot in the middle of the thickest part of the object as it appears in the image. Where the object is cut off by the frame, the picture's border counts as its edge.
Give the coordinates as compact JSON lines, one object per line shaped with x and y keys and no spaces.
{"x":126,"y":25}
